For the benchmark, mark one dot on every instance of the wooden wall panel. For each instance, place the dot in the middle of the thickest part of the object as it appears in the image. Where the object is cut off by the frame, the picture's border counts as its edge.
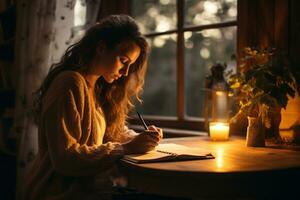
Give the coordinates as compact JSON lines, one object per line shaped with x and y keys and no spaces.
{"x":290,"y":123}
{"x":247,"y":34}
{"x":263,"y":23}
{"x":294,"y":35}
{"x":281,"y":29}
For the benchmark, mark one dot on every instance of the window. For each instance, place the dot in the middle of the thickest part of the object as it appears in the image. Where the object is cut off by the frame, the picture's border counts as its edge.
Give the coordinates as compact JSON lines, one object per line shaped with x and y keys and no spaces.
{"x":80,"y":19}
{"x":187,"y":37}
{"x":79,"y":13}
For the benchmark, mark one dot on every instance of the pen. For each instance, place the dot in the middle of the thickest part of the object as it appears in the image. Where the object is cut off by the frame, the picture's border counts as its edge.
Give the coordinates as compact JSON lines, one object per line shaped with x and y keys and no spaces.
{"x":142,"y":120}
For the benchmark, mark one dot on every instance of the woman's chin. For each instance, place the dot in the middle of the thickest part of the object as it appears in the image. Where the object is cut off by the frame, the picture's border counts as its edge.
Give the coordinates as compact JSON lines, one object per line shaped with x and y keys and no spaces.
{"x":109,"y":80}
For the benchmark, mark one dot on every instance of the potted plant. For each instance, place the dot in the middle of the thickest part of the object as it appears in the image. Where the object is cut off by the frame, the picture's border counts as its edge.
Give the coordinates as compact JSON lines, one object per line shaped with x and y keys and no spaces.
{"x":264,"y":83}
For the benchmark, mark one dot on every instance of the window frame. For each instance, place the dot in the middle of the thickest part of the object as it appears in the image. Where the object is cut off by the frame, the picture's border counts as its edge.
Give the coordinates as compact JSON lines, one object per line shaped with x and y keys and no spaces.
{"x":181,"y":120}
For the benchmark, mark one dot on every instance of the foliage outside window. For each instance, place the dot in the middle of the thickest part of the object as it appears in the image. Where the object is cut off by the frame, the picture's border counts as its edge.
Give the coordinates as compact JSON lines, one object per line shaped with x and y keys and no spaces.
{"x":187,"y":37}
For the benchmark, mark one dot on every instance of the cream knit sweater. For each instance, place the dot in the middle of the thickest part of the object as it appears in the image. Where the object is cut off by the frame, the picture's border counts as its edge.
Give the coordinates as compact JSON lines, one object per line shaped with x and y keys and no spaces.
{"x":71,"y":152}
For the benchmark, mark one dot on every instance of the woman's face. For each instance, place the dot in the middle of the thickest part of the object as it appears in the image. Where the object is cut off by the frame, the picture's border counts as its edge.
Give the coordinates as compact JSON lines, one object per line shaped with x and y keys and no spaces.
{"x":115,"y":63}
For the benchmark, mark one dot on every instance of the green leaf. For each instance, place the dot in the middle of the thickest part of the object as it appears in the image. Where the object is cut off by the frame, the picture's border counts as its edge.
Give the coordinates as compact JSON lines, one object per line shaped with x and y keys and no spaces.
{"x":263,"y":83}
{"x":268,"y":100}
{"x":280,"y":97}
{"x":286,"y":89}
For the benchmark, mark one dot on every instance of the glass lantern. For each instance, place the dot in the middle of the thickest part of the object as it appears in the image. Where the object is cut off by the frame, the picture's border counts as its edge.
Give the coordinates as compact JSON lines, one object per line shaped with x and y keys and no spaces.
{"x":217,"y":111}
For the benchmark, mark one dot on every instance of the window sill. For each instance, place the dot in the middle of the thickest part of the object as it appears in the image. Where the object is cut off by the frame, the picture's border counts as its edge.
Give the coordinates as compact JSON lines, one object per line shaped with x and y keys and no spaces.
{"x":171,"y":132}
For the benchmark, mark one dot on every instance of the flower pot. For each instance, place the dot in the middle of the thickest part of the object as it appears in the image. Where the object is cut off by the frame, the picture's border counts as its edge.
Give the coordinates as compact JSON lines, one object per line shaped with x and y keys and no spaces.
{"x":255,"y":133}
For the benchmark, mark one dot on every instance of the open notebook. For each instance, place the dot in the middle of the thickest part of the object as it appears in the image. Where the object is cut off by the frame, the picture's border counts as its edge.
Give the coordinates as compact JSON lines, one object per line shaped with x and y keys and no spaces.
{"x":169,"y":152}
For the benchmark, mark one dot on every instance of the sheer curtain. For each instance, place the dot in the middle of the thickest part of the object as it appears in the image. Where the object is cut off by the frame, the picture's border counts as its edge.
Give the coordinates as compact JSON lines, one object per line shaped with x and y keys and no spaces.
{"x":45,"y":28}
{"x":34,"y":35}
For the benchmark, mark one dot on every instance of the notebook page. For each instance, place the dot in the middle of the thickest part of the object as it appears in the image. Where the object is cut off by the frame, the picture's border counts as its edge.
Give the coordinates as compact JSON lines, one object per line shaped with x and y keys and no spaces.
{"x":151,"y":155}
{"x":181,"y":149}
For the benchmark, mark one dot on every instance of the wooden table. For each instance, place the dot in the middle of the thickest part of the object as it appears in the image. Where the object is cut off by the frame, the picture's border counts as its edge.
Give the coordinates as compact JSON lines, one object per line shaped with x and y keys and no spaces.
{"x":236,"y":172}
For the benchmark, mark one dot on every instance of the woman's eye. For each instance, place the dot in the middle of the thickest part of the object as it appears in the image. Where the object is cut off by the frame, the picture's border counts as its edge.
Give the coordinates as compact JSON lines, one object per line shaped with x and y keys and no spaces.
{"x":123,"y":60}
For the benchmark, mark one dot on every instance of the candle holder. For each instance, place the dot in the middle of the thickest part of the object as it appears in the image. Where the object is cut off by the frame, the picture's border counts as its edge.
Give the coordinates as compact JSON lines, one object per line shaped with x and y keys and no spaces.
{"x":217,"y":104}
{"x":219,"y":126}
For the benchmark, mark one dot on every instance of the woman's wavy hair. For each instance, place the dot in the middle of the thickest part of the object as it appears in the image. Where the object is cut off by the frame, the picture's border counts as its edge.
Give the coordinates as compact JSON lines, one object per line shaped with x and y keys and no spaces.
{"x":116,"y":99}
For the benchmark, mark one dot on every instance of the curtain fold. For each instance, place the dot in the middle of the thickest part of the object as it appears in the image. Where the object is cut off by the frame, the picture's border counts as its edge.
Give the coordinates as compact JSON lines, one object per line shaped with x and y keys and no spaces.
{"x":34,"y":35}
{"x":45,"y":28}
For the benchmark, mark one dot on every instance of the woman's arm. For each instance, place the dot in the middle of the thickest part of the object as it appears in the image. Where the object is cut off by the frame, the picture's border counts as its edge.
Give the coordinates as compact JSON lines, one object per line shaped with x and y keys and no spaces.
{"x":127,"y":134}
{"x":69,"y":152}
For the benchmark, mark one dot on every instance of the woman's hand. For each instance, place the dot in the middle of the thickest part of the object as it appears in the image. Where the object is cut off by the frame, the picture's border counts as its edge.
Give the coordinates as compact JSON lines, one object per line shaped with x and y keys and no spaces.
{"x":145,"y":141}
{"x":159,"y":130}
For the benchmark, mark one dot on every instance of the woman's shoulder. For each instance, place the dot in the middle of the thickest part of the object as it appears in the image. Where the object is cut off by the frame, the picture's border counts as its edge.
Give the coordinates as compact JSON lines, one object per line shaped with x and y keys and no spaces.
{"x":68,"y":77}
{"x":67,"y":80}
{"x":63,"y":85}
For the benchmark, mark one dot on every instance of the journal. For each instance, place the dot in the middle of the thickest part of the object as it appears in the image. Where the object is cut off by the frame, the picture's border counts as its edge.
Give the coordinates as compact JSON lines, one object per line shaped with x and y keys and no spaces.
{"x":169,"y":152}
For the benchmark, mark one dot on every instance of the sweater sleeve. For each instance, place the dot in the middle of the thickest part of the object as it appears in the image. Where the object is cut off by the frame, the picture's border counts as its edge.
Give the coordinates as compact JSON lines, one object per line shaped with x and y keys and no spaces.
{"x":69,"y":155}
{"x":128,"y":134}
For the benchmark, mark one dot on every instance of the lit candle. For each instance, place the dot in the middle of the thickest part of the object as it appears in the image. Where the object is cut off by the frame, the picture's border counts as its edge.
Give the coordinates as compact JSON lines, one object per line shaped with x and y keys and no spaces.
{"x":219,"y":131}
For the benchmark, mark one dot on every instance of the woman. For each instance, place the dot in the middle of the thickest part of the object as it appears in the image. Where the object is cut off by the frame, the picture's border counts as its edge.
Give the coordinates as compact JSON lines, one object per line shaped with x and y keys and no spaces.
{"x":81,"y":110}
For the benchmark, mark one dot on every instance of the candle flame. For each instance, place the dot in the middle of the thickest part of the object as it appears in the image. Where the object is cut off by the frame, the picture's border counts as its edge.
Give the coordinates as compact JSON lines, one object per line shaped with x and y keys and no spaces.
{"x":220,"y":126}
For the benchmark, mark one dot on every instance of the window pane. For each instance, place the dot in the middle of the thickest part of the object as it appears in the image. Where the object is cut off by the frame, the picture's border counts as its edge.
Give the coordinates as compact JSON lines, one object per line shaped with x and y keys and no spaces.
{"x":155,"y":15}
{"x":202,"y":50}
{"x":200,"y":12}
{"x":80,"y":13}
{"x":159,"y":97}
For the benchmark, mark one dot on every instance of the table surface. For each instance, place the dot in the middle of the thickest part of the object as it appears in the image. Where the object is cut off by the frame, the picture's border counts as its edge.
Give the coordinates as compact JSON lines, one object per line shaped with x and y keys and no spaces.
{"x":235,"y":165}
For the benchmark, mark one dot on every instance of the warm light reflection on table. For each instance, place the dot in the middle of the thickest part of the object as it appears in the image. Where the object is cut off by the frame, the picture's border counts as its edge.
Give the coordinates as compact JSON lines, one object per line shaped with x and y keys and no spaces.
{"x":236,"y":169}
{"x":219,"y":157}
